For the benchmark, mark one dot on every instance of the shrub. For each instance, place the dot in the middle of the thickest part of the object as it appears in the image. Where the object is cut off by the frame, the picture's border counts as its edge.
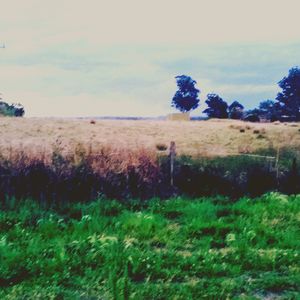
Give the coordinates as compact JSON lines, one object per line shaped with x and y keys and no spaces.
{"x":80,"y":176}
{"x":13,"y":110}
{"x":85,"y":173}
{"x":233,"y":175}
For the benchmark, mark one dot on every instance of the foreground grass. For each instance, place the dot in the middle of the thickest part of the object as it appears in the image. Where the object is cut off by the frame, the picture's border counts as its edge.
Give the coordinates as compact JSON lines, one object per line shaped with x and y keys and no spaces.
{"x":207,"y":248}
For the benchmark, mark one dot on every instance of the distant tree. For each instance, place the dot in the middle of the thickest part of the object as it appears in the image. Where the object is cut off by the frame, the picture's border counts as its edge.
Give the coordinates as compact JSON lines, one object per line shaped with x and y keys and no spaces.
{"x":236,"y":110}
{"x":270,"y":110}
{"x":266,"y":106}
{"x":186,"y":98}
{"x":217,"y":107}
{"x":289,"y":98}
{"x":252,"y":115}
{"x":18,"y":109}
{"x":13,"y":110}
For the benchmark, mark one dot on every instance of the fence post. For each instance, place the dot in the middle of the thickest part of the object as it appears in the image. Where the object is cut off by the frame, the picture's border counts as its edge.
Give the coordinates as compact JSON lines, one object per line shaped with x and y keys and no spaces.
{"x":277,"y":165}
{"x":172,"y":158}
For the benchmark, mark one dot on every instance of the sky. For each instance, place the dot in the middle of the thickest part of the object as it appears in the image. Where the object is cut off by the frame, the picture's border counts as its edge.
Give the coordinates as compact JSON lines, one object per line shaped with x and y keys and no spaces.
{"x":119,"y":58}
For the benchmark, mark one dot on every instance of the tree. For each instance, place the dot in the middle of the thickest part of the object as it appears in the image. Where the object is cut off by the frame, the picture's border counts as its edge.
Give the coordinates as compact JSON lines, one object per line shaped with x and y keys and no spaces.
{"x":236,"y":110}
{"x":13,"y":110}
{"x":289,"y":98}
{"x":186,"y":98}
{"x":252,"y":115}
{"x":217,"y":107}
{"x":18,"y":109}
{"x":270,"y":110}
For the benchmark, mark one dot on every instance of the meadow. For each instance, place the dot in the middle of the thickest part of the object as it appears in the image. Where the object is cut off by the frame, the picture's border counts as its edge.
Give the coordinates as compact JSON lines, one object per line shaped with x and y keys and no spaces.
{"x":62,"y":160}
{"x":198,"y":138}
{"x":87,"y":210}
{"x":204,"y":248}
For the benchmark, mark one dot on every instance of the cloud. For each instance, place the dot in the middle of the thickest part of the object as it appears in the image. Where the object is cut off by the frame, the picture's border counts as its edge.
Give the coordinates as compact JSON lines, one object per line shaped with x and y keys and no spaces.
{"x":121,"y":57}
{"x":238,"y":89}
{"x":141,"y":80}
{"x":86,"y":105}
{"x":34,"y":24}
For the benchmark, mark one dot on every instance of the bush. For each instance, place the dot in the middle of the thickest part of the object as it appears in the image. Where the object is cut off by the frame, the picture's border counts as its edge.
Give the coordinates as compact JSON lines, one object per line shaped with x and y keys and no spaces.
{"x":233,"y":176}
{"x":78,"y":176}
{"x":13,"y":110}
{"x":84,"y":174}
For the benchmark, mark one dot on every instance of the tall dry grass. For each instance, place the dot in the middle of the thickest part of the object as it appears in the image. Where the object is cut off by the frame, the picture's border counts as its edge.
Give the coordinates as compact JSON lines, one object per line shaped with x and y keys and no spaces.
{"x":80,"y":173}
{"x":89,"y":172}
{"x":197,"y":138}
{"x":56,"y":161}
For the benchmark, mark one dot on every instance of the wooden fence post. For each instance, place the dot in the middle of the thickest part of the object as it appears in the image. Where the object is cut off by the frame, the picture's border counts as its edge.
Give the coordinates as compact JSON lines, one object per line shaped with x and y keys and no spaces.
{"x":172,"y":158}
{"x":277,"y":164}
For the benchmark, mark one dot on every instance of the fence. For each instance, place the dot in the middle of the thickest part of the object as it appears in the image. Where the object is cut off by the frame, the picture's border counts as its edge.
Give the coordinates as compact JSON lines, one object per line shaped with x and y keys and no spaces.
{"x":273,"y":161}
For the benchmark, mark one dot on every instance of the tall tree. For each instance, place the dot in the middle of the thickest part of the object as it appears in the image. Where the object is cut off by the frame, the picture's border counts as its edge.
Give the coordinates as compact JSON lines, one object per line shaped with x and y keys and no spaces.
{"x":217,"y":107}
{"x":252,"y":115}
{"x":236,"y":110}
{"x":186,"y":98}
{"x":289,"y":98}
{"x":270,"y":110}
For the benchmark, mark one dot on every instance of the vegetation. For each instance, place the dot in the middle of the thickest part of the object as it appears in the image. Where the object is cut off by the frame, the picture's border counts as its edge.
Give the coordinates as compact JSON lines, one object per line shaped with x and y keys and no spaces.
{"x":285,"y":108}
{"x":217,"y":107}
{"x":63,"y":160}
{"x":235,"y":110}
{"x":13,"y":110}
{"x":84,"y":172}
{"x":186,"y":98}
{"x":287,"y":104}
{"x":206,"y":138}
{"x":289,"y":98}
{"x":268,"y":110}
{"x":206,"y":248}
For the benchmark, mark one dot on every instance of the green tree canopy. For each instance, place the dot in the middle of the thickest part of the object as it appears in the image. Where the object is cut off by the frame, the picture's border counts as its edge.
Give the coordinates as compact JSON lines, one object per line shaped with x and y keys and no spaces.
{"x":186,"y":97}
{"x":217,"y":107}
{"x":289,"y":98}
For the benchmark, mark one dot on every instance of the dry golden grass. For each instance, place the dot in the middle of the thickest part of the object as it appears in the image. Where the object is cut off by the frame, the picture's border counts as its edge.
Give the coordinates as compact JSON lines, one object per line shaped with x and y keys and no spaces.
{"x":206,"y":138}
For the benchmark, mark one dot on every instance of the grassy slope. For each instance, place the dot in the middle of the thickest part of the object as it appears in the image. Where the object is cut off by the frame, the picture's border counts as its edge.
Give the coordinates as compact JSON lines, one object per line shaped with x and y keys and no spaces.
{"x":201,"y":137}
{"x":175,"y":249}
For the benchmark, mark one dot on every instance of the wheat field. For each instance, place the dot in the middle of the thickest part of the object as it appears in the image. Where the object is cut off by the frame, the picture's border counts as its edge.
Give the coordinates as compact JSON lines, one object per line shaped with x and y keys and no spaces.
{"x":197,"y":138}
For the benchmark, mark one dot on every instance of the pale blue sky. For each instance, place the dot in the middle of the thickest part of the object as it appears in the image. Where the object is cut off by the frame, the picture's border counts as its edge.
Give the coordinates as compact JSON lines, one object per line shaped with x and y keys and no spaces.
{"x":120,"y":57}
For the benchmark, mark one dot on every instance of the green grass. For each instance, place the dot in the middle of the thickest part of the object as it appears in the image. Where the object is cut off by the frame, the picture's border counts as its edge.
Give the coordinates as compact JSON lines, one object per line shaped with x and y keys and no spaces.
{"x":208,"y":248}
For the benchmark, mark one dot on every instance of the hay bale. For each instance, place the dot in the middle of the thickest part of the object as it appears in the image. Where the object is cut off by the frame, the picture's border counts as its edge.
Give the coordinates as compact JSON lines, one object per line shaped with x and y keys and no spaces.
{"x":179,"y":117}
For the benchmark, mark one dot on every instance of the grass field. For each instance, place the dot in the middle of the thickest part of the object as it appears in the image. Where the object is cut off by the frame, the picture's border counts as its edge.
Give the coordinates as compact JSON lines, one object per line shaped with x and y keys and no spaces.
{"x":203,"y":248}
{"x":207,"y":248}
{"x":205,"y":138}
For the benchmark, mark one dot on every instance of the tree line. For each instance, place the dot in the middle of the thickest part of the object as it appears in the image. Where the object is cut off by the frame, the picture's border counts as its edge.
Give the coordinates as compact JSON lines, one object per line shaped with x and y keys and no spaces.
{"x":285,"y":107}
{"x":11,"y":110}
